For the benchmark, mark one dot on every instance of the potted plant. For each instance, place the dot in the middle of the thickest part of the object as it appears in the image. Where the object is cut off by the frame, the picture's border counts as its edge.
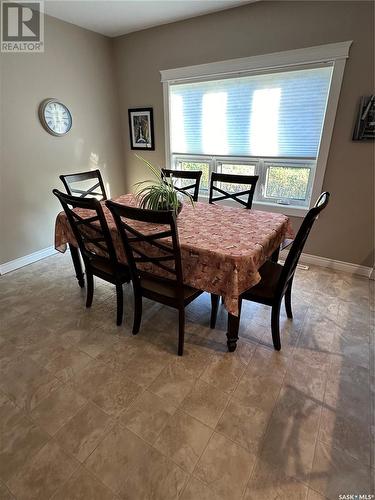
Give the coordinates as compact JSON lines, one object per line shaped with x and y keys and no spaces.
{"x":160,"y":193}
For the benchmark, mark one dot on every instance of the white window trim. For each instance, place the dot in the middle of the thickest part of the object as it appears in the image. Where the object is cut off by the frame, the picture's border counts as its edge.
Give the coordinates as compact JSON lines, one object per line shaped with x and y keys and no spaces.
{"x":295,"y":163}
{"x":334,"y":53}
{"x":259,"y":204}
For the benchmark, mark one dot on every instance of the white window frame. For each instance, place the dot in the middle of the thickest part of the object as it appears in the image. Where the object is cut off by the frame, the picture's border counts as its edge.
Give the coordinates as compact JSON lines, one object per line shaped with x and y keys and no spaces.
{"x":334,"y":54}
{"x":194,"y":159}
{"x":295,"y":163}
{"x":240,"y":160}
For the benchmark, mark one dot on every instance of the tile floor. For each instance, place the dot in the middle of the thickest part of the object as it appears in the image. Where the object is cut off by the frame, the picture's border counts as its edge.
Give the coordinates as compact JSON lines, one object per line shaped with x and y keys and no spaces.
{"x":88,"y":411}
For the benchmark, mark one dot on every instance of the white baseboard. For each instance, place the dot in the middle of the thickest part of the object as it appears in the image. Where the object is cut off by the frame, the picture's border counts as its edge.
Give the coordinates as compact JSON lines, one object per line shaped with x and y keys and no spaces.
{"x":337,"y":265}
{"x":306,"y":258}
{"x":12,"y":265}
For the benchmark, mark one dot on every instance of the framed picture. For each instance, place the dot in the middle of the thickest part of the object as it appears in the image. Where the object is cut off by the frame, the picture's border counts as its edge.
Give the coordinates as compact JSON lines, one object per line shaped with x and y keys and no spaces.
{"x":365,"y":126}
{"x":141,"y":128}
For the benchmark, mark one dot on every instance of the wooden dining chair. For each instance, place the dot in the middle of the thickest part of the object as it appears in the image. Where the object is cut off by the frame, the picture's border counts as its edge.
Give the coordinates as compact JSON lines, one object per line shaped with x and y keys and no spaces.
{"x":194,"y":175}
{"x":249,"y":180}
{"x":150,"y":239}
{"x":96,"y":190}
{"x":276,"y":279}
{"x":94,"y":240}
{"x":288,"y":241}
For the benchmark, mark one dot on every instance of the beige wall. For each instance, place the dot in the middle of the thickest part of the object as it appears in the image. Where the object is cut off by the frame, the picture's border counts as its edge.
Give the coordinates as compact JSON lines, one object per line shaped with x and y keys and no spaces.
{"x":76,"y":67}
{"x":345,"y":231}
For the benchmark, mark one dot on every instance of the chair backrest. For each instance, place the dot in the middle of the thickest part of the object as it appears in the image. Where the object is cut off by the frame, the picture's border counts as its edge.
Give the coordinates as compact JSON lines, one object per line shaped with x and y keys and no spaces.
{"x":322,"y":199}
{"x":149,"y":237}
{"x":89,"y":227}
{"x":244,"y":180}
{"x":96,"y":190}
{"x":194,"y":175}
{"x":300,"y":240}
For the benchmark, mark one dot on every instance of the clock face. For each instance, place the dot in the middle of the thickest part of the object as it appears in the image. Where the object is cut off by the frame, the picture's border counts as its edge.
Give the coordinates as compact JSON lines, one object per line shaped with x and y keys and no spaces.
{"x":55,"y":117}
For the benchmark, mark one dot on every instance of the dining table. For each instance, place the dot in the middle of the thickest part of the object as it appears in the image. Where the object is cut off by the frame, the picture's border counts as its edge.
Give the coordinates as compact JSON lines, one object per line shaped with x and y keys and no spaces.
{"x":222,"y":248}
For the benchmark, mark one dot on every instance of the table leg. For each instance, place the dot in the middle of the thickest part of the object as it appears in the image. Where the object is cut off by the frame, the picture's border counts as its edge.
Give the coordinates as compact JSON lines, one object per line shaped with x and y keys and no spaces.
{"x":233,"y":327}
{"x":74,"y":252}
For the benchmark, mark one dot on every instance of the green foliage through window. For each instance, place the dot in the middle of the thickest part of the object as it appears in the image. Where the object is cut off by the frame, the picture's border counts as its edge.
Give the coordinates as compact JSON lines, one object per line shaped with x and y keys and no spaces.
{"x":287,"y":182}
{"x":194,"y":165}
{"x":236,"y":169}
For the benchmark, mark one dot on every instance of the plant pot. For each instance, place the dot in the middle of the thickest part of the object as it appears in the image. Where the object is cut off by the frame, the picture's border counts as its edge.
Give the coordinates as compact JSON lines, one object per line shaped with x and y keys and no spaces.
{"x":166,"y":208}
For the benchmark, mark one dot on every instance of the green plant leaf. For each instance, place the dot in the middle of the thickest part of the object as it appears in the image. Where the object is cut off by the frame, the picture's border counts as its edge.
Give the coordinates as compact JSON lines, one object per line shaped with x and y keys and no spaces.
{"x":154,"y":170}
{"x":160,"y":195}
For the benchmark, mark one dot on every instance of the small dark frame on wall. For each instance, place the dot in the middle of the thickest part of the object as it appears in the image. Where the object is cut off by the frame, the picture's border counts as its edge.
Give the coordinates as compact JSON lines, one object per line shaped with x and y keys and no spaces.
{"x":141,"y":128}
{"x":365,"y":126}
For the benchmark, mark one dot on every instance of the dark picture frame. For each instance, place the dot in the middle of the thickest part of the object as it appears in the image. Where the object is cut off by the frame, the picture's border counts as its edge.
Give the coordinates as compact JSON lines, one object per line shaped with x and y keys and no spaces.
{"x":141,"y":129}
{"x":365,"y":126}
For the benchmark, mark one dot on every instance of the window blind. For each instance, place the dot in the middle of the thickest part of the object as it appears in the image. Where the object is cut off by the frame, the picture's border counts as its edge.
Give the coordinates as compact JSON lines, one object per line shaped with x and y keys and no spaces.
{"x":278,"y":114}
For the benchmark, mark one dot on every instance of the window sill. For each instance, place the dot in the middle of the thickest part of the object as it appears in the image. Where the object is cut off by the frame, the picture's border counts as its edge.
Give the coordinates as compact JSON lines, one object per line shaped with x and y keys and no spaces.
{"x":291,"y":210}
{"x":294,"y":210}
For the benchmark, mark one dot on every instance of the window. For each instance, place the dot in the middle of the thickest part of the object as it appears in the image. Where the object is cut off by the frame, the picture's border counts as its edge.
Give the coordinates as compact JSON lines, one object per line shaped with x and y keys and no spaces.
{"x":266,"y":121}
{"x":275,"y":115}
{"x":287,"y":182}
{"x":194,"y":164}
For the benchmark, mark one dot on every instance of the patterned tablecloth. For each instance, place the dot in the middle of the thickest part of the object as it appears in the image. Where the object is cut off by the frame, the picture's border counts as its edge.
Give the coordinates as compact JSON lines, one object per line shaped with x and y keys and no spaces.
{"x":222,"y":247}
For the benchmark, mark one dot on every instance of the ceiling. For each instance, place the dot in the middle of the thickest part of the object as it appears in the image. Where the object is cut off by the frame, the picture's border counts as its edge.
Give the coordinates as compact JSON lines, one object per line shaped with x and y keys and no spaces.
{"x":118,"y":17}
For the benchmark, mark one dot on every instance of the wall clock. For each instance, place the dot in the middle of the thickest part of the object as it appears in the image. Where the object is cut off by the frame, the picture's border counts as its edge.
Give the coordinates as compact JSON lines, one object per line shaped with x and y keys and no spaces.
{"x":55,"y":117}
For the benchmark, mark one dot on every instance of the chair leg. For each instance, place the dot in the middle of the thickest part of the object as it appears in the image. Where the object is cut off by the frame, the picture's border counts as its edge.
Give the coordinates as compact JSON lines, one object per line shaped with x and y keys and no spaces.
{"x":90,"y":288}
{"x":275,"y":256}
{"x":120,"y":304}
{"x":137,"y":313}
{"x":214,"y":308}
{"x":74,"y":252}
{"x":275,"y":326}
{"x":181,"y":330}
{"x":288,"y":301}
